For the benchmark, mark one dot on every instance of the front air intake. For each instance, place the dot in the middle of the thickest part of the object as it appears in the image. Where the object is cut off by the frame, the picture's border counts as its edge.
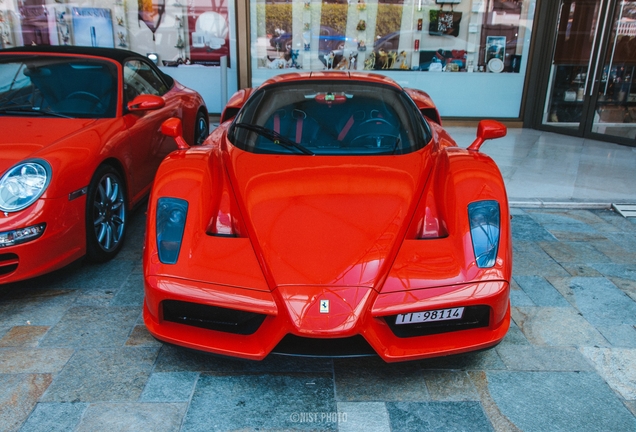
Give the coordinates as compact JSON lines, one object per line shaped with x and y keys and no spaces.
{"x":212,"y":317}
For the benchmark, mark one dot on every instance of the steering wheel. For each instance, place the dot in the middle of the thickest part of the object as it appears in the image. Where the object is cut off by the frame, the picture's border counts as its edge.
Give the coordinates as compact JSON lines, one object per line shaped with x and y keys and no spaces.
{"x":374,"y":140}
{"x":83,"y":95}
{"x":376,"y":120}
{"x":86,"y":96}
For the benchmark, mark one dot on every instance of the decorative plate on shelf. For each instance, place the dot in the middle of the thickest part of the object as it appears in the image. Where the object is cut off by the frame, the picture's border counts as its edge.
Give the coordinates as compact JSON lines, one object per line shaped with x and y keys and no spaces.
{"x":495,"y":65}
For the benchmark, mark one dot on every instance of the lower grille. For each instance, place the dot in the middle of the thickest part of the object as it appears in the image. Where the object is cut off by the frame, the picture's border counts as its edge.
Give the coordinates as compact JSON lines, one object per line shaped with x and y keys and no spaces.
{"x":355,"y":346}
{"x":212,"y":317}
{"x":474,"y":317}
{"x":8,"y":263}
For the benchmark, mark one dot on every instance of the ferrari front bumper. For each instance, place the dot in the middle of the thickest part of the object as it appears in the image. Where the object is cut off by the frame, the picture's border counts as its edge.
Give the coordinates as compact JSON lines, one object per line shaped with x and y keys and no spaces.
{"x":319,"y":313}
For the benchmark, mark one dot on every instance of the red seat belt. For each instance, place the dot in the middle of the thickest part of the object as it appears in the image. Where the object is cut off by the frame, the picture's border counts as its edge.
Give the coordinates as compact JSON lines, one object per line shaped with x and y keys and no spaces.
{"x":345,"y":129}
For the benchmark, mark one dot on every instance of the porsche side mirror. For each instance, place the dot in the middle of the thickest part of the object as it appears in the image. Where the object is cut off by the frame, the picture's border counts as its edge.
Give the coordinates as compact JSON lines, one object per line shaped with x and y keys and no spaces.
{"x":488,"y":129}
{"x":146,"y":102}
{"x":173,"y":128}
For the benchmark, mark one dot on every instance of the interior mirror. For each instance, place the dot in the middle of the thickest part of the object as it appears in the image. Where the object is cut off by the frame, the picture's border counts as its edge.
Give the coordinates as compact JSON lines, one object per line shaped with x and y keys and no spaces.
{"x":146,"y":102}
{"x":173,"y":128}
{"x":488,"y":129}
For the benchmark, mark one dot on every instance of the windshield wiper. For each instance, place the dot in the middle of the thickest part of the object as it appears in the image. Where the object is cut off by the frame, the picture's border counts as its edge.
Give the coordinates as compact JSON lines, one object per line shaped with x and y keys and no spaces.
{"x":275,"y":137}
{"x":21,"y":109}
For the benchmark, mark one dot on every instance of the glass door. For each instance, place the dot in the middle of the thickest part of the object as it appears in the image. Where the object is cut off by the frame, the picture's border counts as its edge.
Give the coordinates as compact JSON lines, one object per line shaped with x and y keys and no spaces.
{"x":591,"y":89}
{"x":614,"y":107}
{"x":573,"y":63}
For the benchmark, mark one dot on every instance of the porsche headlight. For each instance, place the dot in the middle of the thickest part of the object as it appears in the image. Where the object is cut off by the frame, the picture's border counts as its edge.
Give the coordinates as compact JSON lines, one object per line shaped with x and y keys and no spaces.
{"x":171,"y":219}
{"x":484,"y":231}
{"x":23,"y":184}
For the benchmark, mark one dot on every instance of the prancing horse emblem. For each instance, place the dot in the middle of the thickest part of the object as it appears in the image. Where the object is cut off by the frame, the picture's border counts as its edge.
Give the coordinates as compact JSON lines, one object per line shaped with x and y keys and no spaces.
{"x":324,"y":306}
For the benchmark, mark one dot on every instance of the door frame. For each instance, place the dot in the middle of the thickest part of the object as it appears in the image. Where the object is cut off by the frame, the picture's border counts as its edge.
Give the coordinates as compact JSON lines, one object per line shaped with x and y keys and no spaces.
{"x":548,"y":13}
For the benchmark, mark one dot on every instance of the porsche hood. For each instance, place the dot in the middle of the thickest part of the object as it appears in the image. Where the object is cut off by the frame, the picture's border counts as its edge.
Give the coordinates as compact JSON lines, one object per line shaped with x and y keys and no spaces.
{"x":333,"y":223}
{"x":24,"y":138}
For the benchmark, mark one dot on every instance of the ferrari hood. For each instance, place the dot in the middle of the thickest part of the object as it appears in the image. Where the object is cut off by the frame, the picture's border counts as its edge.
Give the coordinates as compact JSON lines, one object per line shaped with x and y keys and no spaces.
{"x":24,"y":138}
{"x":327,"y":220}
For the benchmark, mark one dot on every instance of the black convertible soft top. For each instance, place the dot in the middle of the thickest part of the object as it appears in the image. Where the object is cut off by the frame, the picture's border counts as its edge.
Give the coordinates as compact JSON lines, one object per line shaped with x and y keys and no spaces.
{"x":119,"y":55}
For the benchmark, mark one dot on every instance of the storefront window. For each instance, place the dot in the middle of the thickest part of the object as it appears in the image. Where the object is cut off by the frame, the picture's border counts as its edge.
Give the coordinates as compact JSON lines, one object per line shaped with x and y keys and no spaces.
{"x":174,"y":33}
{"x":469,"y":55}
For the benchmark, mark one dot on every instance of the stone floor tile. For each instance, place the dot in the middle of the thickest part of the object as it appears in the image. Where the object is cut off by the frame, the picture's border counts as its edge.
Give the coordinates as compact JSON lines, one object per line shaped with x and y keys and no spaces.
{"x":176,"y":359}
{"x":23,"y":336}
{"x":86,"y":326}
{"x":500,"y":422}
{"x":614,"y":251}
{"x":450,"y":385}
{"x":169,"y":387}
{"x":623,"y":271}
{"x":18,"y":395}
{"x":558,"y":401}
{"x":363,"y":416}
{"x":33,"y":360}
{"x":529,"y":260}
{"x":371,"y":379}
{"x":89,"y":276}
{"x":514,"y":336}
{"x":479,"y":360}
{"x":580,"y":270}
{"x":125,"y":417}
{"x":617,"y":366}
{"x":532,"y":358}
{"x":619,"y":336}
{"x":103,"y":375}
{"x":520,"y":298}
{"x":141,"y":337}
{"x":267,"y":402}
{"x":41,"y":308}
{"x":437,"y":416}
{"x":131,"y":293}
{"x":631,"y":406}
{"x":574,"y":232}
{"x":626,"y":240}
{"x":524,"y":228}
{"x":540,"y":291}
{"x":556,"y":326}
{"x":95,"y":296}
{"x":54,"y":417}
{"x":600,"y":301}
{"x":626,"y":285}
{"x":565,"y":216}
{"x":573,"y":252}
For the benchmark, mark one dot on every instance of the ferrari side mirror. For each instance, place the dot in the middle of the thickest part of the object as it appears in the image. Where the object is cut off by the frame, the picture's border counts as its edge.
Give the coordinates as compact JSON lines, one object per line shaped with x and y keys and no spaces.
{"x":173,"y":128}
{"x":146,"y":102}
{"x":488,"y":129}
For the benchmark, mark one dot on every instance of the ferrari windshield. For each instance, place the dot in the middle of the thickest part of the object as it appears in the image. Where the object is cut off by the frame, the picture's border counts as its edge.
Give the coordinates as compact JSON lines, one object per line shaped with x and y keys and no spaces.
{"x":337,"y":117}
{"x":58,"y":86}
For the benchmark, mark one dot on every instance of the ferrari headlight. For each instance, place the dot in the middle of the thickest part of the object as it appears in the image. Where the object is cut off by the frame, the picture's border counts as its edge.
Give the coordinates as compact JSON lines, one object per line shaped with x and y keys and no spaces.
{"x":171,"y":219}
{"x":23,"y":184}
{"x":484,"y":231}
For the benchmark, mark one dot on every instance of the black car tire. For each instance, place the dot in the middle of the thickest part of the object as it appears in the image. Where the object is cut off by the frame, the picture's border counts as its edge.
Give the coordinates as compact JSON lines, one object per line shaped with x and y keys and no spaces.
{"x":106,"y":214}
{"x":201,"y":128}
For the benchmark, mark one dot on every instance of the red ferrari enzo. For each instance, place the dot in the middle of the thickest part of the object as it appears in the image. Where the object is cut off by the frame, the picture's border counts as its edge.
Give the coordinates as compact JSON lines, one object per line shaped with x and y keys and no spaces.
{"x":80,"y":146}
{"x":329,"y":214}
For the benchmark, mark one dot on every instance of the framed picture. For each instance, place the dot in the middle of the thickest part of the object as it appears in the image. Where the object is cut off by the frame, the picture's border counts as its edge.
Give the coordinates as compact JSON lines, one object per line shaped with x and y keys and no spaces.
{"x":93,"y":27}
{"x":495,"y":47}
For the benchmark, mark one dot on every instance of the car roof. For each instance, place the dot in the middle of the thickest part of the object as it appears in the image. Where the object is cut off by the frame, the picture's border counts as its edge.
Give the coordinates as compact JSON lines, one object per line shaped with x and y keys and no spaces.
{"x":119,"y":55}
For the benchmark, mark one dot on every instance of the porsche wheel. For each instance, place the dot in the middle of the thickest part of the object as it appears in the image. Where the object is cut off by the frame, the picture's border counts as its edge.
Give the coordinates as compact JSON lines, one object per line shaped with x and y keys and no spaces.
{"x":201,"y":128}
{"x":106,"y":214}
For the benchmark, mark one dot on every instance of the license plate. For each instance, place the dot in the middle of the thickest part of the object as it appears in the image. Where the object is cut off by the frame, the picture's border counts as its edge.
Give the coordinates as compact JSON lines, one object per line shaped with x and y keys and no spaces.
{"x":430,"y":316}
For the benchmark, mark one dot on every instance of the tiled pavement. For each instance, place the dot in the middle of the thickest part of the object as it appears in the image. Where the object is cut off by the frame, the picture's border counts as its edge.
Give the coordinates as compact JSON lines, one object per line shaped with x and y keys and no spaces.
{"x":74,"y":354}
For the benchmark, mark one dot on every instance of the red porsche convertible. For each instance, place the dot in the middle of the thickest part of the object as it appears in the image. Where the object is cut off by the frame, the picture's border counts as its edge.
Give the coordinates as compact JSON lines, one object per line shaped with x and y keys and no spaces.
{"x":329,"y":214}
{"x":80,"y":146}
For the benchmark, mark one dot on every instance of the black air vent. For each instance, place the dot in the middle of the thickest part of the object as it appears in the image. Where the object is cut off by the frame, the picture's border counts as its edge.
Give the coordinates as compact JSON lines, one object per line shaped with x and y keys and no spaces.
{"x":8,"y":263}
{"x":212,"y":317}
